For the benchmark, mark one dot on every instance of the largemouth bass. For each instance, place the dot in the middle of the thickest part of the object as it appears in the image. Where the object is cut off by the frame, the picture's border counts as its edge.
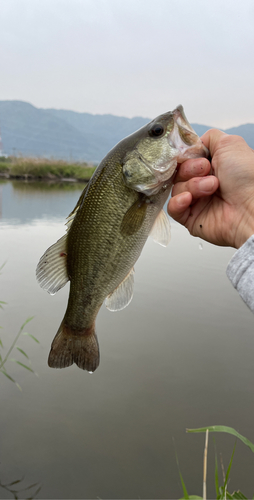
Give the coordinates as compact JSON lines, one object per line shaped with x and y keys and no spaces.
{"x":120,"y":206}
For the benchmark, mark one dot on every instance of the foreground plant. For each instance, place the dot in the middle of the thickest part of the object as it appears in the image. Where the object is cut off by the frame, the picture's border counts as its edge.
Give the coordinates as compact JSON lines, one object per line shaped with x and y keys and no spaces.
{"x":4,"y":359}
{"x":15,"y":491}
{"x":221,"y":491}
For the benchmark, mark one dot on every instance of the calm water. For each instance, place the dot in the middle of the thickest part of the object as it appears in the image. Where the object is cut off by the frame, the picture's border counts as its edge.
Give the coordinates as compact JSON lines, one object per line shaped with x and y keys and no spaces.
{"x":180,"y":356}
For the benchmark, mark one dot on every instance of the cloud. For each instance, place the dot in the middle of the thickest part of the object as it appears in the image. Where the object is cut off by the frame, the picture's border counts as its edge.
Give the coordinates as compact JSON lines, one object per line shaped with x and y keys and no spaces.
{"x":131,"y":58}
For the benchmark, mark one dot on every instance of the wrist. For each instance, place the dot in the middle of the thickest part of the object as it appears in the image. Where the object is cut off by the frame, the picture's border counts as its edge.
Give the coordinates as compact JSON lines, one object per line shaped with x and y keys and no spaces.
{"x":246,"y":231}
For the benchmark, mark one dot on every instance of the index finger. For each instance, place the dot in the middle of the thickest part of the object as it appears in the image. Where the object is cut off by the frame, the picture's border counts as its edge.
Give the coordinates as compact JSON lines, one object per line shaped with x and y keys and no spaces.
{"x":194,"y":167}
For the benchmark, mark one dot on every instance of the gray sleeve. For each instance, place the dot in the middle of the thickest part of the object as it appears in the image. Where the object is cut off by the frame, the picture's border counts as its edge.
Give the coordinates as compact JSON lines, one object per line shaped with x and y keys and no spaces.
{"x":240,"y":271}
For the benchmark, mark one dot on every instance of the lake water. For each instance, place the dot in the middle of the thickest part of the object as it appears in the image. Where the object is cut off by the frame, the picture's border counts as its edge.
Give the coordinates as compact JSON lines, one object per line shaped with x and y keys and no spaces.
{"x":180,"y":356}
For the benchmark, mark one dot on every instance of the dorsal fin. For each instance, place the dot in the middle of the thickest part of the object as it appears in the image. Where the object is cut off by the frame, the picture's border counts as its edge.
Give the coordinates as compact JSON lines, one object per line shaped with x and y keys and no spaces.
{"x":72,"y":215}
{"x":161,"y":230}
{"x":51,"y":271}
{"x":122,"y":295}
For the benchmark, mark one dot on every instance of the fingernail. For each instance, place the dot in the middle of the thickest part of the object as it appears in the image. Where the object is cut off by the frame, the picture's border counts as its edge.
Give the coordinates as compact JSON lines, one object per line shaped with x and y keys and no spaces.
{"x":206,"y":184}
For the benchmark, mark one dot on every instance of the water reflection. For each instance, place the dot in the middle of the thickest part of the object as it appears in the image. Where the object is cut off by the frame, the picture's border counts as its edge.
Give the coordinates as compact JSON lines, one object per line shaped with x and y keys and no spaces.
{"x":49,"y":186}
{"x":180,"y":356}
{"x":22,"y":202}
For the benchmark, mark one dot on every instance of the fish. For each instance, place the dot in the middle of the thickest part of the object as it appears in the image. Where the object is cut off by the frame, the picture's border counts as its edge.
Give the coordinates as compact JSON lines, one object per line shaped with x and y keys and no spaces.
{"x":119,"y":207}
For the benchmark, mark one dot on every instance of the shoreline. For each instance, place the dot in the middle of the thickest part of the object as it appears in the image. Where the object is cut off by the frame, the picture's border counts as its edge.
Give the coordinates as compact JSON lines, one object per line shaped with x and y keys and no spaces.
{"x":42,"y":169}
{"x":48,"y":178}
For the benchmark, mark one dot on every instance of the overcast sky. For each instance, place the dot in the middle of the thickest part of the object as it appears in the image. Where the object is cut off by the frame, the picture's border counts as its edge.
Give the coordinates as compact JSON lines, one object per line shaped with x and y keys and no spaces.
{"x":131,"y":57}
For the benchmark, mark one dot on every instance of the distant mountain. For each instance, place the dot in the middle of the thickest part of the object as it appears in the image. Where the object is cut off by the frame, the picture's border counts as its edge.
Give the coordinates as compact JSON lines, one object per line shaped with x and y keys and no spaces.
{"x":32,"y":131}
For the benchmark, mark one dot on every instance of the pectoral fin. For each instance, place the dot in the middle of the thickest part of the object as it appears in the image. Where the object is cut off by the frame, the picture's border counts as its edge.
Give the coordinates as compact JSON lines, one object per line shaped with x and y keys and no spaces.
{"x":134,"y":218}
{"x":122,"y":295}
{"x":161,"y":230}
{"x":51,"y":271}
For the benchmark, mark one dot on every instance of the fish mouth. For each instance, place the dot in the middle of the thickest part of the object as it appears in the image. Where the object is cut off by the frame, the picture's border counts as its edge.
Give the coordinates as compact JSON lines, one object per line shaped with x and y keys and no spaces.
{"x":183,"y":144}
{"x":184,"y":138}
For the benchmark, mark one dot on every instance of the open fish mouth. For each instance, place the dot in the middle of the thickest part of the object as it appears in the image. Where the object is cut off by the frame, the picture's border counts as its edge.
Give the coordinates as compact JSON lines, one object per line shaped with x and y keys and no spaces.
{"x":184,"y":139}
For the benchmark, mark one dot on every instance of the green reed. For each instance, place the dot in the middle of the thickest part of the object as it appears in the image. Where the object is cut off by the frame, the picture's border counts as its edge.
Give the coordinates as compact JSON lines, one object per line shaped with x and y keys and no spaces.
{"x":43,"y":168}
{"x":4,"y":358}
{"x":222,"y":492}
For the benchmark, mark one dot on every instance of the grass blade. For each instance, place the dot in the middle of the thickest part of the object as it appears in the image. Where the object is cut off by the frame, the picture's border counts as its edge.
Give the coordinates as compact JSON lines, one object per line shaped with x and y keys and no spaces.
{"x":22,"y":352}
{"x":1,"y":267}
{"x":8,"y":376}
{"x":228,"y":472}
{"x":32,"y":337}
{"x":237,"y":495}
{"x":216,"y":473}
{"x":31,"y":486}
{"x":27,"y":321}
{"x":24,"y":366}
{"x":14,"y":343}
{"x":185,"y":493}
{"x":205,"y":465}
{"x":228,"y":430}
{"x":35,"y":493}
{"x":14,"y":482}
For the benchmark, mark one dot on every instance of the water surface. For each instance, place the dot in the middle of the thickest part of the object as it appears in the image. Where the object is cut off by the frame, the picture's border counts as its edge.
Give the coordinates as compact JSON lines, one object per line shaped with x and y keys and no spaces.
{"x":180,"y":356}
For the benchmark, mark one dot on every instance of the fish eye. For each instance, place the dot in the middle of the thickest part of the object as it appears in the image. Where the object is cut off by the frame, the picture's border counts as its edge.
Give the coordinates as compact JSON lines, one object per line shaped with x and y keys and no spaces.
{"x":156,"y":130}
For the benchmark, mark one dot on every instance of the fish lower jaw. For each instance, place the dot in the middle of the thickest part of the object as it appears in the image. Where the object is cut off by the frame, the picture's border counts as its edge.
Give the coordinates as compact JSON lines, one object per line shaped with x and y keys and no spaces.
{"x":153,"y":189}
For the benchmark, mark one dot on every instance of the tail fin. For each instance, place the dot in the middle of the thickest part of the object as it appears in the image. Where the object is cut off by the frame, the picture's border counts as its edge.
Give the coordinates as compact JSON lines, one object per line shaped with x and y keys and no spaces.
{"x":68,"y":347}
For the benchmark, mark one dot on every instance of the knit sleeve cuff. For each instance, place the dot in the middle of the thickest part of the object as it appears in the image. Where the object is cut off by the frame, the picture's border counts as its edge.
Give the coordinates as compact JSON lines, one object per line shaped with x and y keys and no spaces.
{"x":240,"y":272}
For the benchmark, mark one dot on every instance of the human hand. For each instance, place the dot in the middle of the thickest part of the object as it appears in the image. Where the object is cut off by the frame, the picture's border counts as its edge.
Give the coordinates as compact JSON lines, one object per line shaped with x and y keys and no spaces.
{"x":218,"y":208}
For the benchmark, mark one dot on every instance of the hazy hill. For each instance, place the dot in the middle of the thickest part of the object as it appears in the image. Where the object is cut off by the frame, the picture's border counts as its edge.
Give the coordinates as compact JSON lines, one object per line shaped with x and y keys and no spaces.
{"x":32,"y":131}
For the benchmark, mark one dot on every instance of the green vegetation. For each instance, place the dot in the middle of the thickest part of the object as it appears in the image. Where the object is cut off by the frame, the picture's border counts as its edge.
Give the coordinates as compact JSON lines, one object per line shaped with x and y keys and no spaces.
{"x":43,"y":168}
{"x":24,"y":186}
{"x":221,"y":491}
{"x":6,"y":357}
{"x":15,"y":488}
